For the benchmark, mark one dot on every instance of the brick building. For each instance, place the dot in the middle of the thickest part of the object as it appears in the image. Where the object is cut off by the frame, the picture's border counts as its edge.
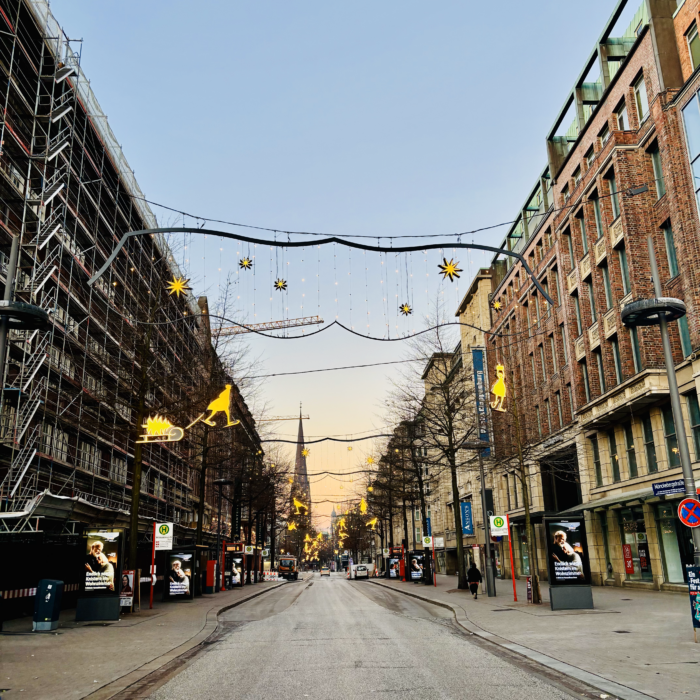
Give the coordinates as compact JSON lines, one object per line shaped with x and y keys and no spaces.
{"x":592,"y":395}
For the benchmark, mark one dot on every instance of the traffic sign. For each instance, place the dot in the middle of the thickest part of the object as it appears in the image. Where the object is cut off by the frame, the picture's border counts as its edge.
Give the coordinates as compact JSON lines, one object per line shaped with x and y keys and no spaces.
{"x":164,"y":536}
{"x":266,"y":552}
{"x":689,"y":512}
{"x":249,"y":549}
{"x":499,"y":526}
{"x":427,"y":541}
{"x":669,"y":488}
{"x":385,"y":552}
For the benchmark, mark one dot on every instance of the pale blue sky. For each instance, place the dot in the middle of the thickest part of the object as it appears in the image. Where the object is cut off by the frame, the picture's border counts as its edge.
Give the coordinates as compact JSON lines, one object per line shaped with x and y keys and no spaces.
{"x":373,"y":118}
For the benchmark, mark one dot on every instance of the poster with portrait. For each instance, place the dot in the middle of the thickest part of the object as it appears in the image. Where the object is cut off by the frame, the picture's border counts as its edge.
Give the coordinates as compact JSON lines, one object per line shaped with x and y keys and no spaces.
{"x":415,"y":565}
{"x":394,"y":568}
{"x":179,"y":573}
{"x":102,"y":561}
{"x":567,"y":552}
{"x":126,"y":589}
{"x":237,"y":571}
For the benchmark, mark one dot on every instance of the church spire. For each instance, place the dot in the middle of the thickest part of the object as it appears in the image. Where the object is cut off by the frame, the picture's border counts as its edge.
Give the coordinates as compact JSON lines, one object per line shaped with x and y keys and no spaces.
{"x":300,"y":474}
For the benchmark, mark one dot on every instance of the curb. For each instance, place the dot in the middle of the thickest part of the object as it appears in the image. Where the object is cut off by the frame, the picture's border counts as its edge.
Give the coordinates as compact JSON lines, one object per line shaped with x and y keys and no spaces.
{"x":561,"y":667}
{"x":133,"y":677}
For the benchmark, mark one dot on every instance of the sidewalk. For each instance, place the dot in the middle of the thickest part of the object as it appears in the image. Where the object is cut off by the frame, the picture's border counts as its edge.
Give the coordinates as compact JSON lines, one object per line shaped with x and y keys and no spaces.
{"x":635,"y":644}
{"x":100,"y":659}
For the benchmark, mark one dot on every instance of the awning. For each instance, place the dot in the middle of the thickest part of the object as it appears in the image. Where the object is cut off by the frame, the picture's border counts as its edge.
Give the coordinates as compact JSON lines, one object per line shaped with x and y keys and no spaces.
{"x":619,"y":499}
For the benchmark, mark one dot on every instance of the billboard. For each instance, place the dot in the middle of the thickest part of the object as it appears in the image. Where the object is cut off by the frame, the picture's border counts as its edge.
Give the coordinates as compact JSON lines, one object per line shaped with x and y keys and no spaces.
{"x":482,"y":398}
{"x":102,"y":561}
{"x":126,"y":589}
{"x":394,"y":568}
{"x":180,"y":568}
{"x":415,"y":562}
{"x":567,"y":552}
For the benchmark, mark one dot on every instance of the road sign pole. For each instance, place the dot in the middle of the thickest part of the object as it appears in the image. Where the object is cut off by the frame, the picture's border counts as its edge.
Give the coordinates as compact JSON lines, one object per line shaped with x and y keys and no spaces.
{"x":510,"y":550}
{"x":153,"y":566}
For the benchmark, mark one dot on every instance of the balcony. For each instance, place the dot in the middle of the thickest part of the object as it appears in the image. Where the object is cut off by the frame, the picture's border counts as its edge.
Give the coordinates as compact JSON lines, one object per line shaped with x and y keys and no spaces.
{"x":625,"y":300}
{"x":571,"y":281}
{"x":580,"y":348}
{"x":594,"y":335}
{"x":616,"y":232}
{"x":600,"y":250}
{"x":609,"y":323}
{"x":585,"y":266}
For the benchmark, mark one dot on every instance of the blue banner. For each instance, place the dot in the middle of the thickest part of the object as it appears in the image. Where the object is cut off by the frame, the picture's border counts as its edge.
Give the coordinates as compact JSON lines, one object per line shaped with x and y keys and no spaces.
{"x":430,"y":531}
{"x":467,"y":524}
{"x":482,"y":398}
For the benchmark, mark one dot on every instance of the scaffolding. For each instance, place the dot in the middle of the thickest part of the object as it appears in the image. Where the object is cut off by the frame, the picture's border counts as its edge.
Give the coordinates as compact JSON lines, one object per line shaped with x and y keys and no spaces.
{"x":67,"y":425}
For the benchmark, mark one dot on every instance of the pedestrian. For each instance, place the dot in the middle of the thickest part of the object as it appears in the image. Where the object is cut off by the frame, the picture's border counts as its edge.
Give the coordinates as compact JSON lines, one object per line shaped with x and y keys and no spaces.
{"x":474,"y":579}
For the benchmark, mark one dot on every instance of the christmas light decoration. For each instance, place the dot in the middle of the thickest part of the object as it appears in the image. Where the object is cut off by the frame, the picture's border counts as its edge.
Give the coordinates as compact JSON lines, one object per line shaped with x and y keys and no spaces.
{"x":299,"y":504}
{"x":499,"y":390}
{"x":245,"y":264}
{"x":291,"y":526}
{"x":178,"y":286}
{"x":363,"y":506}
{"x":370,"y":460}
{"x":372,"y":523}
{"x":449,"y":269}
{"x":405,"y":309}
{"x":280,"y":285}
{"x":305,"y":452}
{"x":221,"y":404}
{"x":160,"y":429}
{"x":496,"y":306}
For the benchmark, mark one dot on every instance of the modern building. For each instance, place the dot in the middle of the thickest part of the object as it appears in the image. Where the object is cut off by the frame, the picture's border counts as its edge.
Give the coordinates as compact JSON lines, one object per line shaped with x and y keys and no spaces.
{"x":591,"y":395}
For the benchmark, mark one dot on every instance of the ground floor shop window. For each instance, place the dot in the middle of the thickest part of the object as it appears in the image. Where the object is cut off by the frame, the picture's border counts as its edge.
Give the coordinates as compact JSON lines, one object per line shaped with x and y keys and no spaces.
{"x":440,"y":562}
{"x":606,"y":544}
{"x":635,"y":548}
{"x":676,"y":543}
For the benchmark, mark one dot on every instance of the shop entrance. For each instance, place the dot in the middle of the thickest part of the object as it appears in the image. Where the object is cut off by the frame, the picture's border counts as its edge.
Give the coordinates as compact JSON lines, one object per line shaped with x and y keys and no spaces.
{"x":676,"y":543}
{"x":635,"y":547}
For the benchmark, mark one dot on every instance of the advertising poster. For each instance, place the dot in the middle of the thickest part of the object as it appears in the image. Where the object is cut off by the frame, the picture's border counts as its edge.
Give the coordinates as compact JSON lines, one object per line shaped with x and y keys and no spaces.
{"x":126,"y":589}
{"x":694,"y":590}
{"x":567,"y":558}
{"x":180,"y":570}
{"x":236,"y":570}
{"x":467,"y":522}
{"x":393,"y":568}
{"x":103,"y":549}
{"x":416,"y":565}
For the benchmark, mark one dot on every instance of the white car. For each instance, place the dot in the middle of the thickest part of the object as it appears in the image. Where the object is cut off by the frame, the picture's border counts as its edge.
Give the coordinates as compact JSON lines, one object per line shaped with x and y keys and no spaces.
{"x":360,"y":571}
{"x":325,"y":571}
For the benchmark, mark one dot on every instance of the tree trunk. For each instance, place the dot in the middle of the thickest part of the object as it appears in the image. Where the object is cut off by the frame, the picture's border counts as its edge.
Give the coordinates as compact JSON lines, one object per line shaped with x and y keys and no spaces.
{"x":461,"y":569}
{"x":202,"y":484}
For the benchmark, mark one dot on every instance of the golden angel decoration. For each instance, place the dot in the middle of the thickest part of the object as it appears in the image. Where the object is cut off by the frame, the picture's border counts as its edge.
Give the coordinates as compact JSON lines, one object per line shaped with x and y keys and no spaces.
{"x":499,"y":390}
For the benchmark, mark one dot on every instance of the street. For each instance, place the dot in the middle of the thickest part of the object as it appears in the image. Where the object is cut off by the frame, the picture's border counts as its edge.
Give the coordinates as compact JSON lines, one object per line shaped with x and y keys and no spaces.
{"x":328,"y":637}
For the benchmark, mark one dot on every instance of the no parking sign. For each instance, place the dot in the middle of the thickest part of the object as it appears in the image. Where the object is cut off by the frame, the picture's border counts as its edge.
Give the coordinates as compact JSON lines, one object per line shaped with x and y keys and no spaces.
{"x":689,"y":512}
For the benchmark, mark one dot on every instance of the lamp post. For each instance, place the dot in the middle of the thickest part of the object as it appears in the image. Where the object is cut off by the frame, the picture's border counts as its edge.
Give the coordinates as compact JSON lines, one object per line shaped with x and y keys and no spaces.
{"x":220,"y":483}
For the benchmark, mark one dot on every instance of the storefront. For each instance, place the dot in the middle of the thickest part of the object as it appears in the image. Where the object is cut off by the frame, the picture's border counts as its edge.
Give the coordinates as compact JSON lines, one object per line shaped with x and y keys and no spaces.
{"x":675,"y":542}
{"x":635,"y":544}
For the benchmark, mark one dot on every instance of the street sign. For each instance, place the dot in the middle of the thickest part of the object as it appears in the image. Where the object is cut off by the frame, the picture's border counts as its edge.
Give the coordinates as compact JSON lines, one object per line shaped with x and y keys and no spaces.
{"x":249,"y":549}
{"x":498,"y":525}
{"x":439,"y":542}
{"x":164,"y":536}
{"x":385,"y":552}
{"x":345,"y":553}
{"x":669,"y":488}
{"x":427,"y":541}
{"x":266,"y":552}
{"x":689,"y":512}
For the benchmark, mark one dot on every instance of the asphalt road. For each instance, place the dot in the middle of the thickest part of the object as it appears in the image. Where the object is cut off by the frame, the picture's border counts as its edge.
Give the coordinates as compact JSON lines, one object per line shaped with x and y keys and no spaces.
{"x":332,"y":638}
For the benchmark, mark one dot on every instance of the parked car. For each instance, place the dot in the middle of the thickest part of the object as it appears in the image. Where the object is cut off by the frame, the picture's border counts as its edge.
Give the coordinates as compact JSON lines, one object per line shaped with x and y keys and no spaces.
{"x":325,"y":571}
{"x":360,"y":571}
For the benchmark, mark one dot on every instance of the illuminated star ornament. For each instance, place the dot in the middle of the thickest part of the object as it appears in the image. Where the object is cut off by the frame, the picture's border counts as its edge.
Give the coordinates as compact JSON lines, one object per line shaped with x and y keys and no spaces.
{"x":245,"y":264}
{"x":449,"y":269}
{"x":370,"y":460}
{"x":305,"y":452}
{"x":405,"y":309}
{"x":280,"y":285}
{"x":178,"y":286}
{"x":496,"y":306}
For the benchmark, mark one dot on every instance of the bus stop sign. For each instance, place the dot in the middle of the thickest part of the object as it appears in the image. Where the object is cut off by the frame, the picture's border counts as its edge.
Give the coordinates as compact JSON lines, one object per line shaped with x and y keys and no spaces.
{"x":689,"y":512}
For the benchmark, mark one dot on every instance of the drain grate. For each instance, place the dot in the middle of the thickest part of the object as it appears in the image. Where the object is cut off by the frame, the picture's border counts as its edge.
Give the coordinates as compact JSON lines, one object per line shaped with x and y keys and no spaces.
{"x":622,"y":632}
{"x":625,"y":598}
{"x":504,"y":610}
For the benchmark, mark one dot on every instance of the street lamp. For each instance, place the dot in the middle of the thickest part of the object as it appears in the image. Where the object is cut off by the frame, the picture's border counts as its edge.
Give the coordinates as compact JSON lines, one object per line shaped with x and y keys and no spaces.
{"x":220,"y":483}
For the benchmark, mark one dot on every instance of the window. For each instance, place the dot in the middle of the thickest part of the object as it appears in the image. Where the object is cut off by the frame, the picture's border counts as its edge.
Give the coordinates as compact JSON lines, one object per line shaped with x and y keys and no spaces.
{"x":590,"y":156}
{"x":694,"y":412}
{"x":591,"y":300}
{"x":553,"y":350}
{"x":607,"y":287}
{"x":694,"y":46}
{"x":577,"y":175}
{"x":537,"y":306}
{"x":582,"y":228}
{"x":560,"y":410}
{"x":539,"y":421}
{"x":571,"y":247}
{"x":89,"y":457}
{"x":617,"y":360}
{"x":636,"y":354}
{"x":586,"y":384}
{"x":623,"y":122}
{"x":631,"y":454}
{"x":543,"y":363}
{"x":604,"y":135}
{"x":556,"y":292}
{"x":658,"y":171}
{"x":614,"y":200}
{"x":571,"y":399}
{"x":652,"y":463}
{"x":565,"y":193}
{"x":686,"y":346}
{"x":577,"y":309}
{"x":563,"y":343}
{"x":614,"y":457}
{"x":670,"y":250}
{"x":549,"y":415}
{"x":596,"y":461}
{"x":624,"y":269}
{"x":598,"y":219}
{"x":507,"y":479}
{"x":674,"y":459}
{"x":691,"y":120}
{"x":117,"y":471}
{"x":640,"y":96}
{"x":601,"y":373}
{"x":534,"y":374}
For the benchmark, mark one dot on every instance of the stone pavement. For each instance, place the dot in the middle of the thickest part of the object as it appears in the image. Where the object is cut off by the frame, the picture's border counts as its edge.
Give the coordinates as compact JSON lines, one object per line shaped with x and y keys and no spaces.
{"x":635,"y":644}
{"x":99,"y":660}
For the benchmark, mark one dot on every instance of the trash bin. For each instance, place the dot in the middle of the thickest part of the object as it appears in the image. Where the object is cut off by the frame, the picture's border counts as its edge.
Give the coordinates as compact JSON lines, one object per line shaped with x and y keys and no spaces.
{"x":47,"y":604}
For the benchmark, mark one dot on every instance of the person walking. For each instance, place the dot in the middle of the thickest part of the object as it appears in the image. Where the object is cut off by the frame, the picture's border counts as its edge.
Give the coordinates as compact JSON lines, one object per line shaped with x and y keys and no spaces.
{"x":474,"y":578}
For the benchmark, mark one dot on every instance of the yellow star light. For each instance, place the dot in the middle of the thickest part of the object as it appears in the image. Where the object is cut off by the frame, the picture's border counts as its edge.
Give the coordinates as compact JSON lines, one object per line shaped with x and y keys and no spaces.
{"x":370,"y":488}
{"x":405,"y":309}
{"x":349,"y":448}
{"x":280,"y":285}
{"x":497,"y":306}
{"x":305,"y":452}
{"x":449,"y":269}
{"x":370,"y":460}
{"x":178,"y":286}
{"x":245,"y":264}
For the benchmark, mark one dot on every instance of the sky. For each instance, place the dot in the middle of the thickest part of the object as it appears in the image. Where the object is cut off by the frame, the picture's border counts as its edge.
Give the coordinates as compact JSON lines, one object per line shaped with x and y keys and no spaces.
{"x":353,"y":119}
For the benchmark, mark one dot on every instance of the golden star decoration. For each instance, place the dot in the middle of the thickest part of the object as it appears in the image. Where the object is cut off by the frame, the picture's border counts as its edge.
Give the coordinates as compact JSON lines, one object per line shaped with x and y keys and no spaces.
{"x":349,"y":448}
{"x":245,"y":264}
{"x":405,"y":309}
{"x":178,"y":285}
{"x":280,"y":285}
{"x":370,"y":460}
{"x":449,"y":269}
{"x":305,"y":452}
{"x":497,"y":306}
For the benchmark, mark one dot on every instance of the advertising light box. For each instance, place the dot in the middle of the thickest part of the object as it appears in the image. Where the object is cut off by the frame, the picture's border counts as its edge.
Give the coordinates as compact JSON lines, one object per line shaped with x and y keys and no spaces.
{"x":567,"y":552}
{"x":179,"y":569}
{"x":103,"y":554}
